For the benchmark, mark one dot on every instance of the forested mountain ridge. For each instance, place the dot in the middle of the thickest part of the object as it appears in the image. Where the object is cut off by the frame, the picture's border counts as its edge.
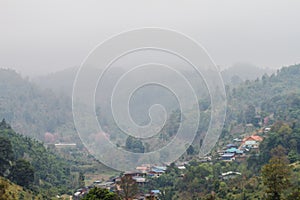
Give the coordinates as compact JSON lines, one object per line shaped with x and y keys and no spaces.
{"x":62,"y":81}
{"x":28,"y":163}
{"x":277,"y":96}
{"x":241,"y":72}
{"x":52,"y":112}
{"x":271,"y":171}
{"x":268,"y":101}
{"x":31,"y":110}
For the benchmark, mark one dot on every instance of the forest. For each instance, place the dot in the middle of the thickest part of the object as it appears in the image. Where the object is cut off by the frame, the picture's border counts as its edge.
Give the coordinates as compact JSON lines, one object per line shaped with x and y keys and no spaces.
{"x":44,"y":117}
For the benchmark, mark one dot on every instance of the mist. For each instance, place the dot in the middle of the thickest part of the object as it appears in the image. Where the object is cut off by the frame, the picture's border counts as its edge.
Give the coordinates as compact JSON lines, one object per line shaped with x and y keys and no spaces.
{"x":38,"y":38}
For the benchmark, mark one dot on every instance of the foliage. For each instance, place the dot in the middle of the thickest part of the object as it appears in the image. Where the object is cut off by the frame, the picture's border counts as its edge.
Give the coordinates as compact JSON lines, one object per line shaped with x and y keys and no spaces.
{"x":276,"y":174}
{"x":11,"y":191}
{"x":33,"y":165}
{"x":31,"y":110}
{"x":284,"y":136}
{"x":6,"y":155}
{"x":22,"y":173}
{"x":134,"y":145}
{"x":277,"y":96}
{"x":129,"y":188}
{"x":190,"y":150}
{"x":100,"y":194}
{"x":81,"y":182}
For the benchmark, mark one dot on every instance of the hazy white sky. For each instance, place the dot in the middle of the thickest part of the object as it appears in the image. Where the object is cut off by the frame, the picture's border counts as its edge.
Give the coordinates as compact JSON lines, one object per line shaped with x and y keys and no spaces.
{"x":38,"y":37}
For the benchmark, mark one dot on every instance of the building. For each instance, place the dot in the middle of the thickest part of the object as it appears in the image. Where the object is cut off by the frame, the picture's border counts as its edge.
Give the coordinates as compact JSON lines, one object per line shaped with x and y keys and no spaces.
{"x":156,"y":171}
{"x":235,"y":151}
{"x":228,"y":157}
{"x":229,"y":146}
{"x":252,"y":142}
{"x":143,"y":168}
{"x":230,"y":175}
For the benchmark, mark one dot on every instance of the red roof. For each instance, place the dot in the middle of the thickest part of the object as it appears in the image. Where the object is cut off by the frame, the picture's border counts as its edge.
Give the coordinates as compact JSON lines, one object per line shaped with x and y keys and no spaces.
{"x":253,"y":137}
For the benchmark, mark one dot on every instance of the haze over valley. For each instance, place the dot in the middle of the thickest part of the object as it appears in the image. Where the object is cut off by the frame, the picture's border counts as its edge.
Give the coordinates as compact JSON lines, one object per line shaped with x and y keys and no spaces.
{"x":171,"y":100}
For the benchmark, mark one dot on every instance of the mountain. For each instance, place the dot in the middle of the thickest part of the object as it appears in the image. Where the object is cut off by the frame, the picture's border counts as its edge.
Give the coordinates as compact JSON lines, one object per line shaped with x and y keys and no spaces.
{"x":62,"y":81}
{"x":277,"y":95}
{"x":241,"y":72}
{"x":34,"y":111}
{"x":269,"y":171}
{"x":28,"y":163}
{"x":12,"y":191}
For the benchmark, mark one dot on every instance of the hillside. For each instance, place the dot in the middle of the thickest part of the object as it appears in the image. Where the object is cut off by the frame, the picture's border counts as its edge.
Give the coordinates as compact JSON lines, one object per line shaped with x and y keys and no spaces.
{"x":61,"y":82}
{"x":276,"y":97}
{"x":267,"y":171}
{"x":33,"y":111}
{"x":241,"y":72}
{"x":11,"y":191}
{"x":269,"y":94}
{"x":28,"y":163}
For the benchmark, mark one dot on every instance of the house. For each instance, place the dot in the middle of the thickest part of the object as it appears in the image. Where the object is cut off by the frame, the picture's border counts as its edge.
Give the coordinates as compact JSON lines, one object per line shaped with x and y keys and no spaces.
{"x":229,"y":146}
{"x":143,"y":168}
{"x":235,"y":151}
{"x":164,"y":168}
{"x":206,"y":158}
{"x":156,"y":192}
{"x":230,"y":175}
{"x":252,"y":142}
{"x":156,"y":172}
{"x":65,"y":145}
{"x":267,"y":129}
{"x":237,"y":140}
{"x":106,"y":185}
{"x":97,"y":182}
{"x":228,"y":157}
{"x":220,"y":152}
{"x":140,"y":180}
{"x":134,"y":173}
{"x":181,"y":167}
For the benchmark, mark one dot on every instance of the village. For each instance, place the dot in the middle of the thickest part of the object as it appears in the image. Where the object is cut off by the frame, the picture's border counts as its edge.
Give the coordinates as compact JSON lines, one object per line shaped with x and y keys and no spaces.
{"x":237,"y":151}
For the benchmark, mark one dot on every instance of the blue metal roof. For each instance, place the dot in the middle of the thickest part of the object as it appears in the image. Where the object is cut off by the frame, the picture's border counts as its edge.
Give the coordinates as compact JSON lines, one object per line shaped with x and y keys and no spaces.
{"x":155,"y":191}
{"x":228,"y":155}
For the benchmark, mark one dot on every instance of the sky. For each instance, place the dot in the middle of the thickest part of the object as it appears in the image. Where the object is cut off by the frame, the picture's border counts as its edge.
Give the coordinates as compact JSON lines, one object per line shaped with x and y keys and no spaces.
{"x":40,"y":37}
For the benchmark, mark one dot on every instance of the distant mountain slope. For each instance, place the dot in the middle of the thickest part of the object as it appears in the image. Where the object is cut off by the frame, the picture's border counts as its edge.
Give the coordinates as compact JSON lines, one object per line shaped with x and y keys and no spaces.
{"x":62,"y":81}
{"x":31,"y":110}
{"x":141,"y":100}
{"x":278,"y":94}
{"x":241,"y":72}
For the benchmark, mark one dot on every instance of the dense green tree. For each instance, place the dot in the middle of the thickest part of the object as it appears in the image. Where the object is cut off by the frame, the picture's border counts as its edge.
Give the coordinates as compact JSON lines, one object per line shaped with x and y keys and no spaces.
{"x":4,"y":125}
{"x":166,"y":194}
{"x":6,"y":155}
{"x":81,"y":182}
{"x":22,"y":173}
{"x":100,"y":194}
{"x":276,"y":174}
{"x":173,"y":123}
{"x":250,"y":114}
{"x":190,"y":150}
{"x":51,"y":173}
{"x":134,"y":145}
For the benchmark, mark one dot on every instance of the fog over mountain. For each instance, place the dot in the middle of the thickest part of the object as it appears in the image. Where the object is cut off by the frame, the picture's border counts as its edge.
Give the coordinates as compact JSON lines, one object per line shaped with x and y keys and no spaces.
{"x":41,"y":37}
{"x":151,"y":99}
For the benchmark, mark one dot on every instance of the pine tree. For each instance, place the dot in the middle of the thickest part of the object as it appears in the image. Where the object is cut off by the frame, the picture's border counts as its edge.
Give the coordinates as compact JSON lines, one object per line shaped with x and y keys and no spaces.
{"x":276,"y":174}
